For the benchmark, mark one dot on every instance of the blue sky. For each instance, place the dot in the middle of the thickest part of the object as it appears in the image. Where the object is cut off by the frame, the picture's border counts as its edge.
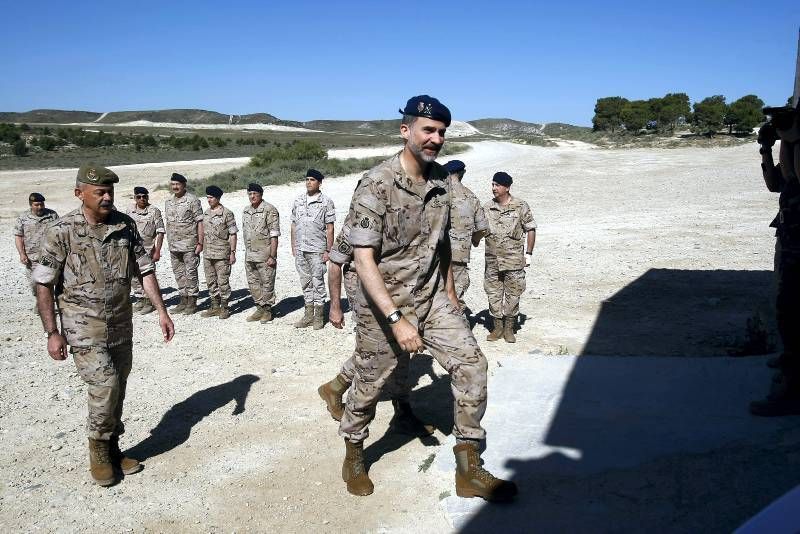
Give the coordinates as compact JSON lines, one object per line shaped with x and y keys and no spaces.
{"x":303,"y":60}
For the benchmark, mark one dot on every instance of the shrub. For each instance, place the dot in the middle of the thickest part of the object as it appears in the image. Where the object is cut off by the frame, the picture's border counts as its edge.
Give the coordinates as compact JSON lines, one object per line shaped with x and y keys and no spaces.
{"x":20,"y":148}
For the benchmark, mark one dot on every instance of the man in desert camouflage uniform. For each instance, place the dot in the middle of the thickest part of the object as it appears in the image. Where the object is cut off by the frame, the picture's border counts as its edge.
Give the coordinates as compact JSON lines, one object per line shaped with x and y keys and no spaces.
{"x":151,"y":229}
{"x":28,"y":233}
{"x":262,"y":227}
{"x":468,"y":225}
{"x":185,"y":235}
{"x":511,"y":229}
{"x":313,"y":215}
{"x":89,"y":257}
{"x":219,"y":253}
{"x":400,"y":234}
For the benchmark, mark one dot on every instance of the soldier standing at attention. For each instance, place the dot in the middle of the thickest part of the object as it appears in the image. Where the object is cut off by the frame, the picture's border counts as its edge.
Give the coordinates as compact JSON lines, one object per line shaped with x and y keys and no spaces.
{"x":151,"y":229}
{"x":219,"y":252}
{"x":468,"y":225}
{"x":28,"y":233}
{"x":262,"y":226}
{"x":90,"y":257}
{"x":185,"y":236}
{"x":510,"y":220}
{"x":400,"y":236}
{"x":313,"y":215}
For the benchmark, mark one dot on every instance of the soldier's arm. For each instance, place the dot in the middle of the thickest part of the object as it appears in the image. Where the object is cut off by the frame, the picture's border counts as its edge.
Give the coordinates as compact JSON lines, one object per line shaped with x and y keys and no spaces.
{"x":200,"y":237}
{"x":160,"y":230}
{"x":19,"y":242}
{"x":480,"y":224}
{"x":328,"y":241}
{"x":53,"y":254}
{"x":294,"y":245}
{"x":273,"y":251}
{"x":153,"y":291}
{"x":56,"y":343}
{"x":335,"y":314}
{"x":773,"y":178}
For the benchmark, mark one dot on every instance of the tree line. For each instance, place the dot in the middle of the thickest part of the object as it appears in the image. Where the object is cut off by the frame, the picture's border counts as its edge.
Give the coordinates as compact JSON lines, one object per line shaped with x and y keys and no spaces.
{"x":664,"y":115}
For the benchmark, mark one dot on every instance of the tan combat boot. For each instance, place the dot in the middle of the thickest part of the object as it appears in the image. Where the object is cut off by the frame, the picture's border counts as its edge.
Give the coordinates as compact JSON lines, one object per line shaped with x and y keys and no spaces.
{"x":256,"y":315}
{"x":224,"y":311}
{"x":267,"y":315}
{"x":497,"y":333}
{"x":214,"y":310}
{"x":353,"y":470}
{"x":191,"y":306}
{"x":319,"y":320}
{"x":508,"y":329}
{"x":308,"y":317}
{"x":138,"y":304}
{"x":405,"y":422}
{"x":180,"y":306}
{"x":332,"y":393}
{"x":100,"y":462}
{"x":472,"y":480}
{"x":128,"y":466}
{"x":147,"y":307}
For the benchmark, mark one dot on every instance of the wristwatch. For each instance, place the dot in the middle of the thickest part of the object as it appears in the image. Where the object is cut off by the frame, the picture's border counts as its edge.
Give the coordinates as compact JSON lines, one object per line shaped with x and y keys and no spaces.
{"x":394,"y":317}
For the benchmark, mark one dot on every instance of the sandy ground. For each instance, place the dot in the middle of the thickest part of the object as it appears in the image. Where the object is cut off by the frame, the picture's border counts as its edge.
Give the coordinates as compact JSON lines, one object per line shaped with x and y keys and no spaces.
{"x":609,"y":221}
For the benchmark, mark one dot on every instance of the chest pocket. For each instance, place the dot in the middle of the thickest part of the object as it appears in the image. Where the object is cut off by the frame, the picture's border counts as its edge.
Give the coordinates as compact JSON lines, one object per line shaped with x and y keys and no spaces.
{"x":314,"y":212}
{"x":508,"y":225}
{"x":147,"y":227}
{"x":118,"y":255}
{"x":77,"y":269}
{"x":401,"y":225}
{"x":218,"y":227}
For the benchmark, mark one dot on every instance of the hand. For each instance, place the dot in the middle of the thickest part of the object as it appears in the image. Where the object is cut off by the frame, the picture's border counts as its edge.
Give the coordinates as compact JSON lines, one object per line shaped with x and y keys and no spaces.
{"x":767,"y":135}
{"x":325,"y":257}
{"x":407,"y":336}
{"x":167,"y":328}
{"x":57,"y":347}
{"x":232,"y":258}
{"x":155,"y":255}
{"x":528,"y":260}
{"x":198,"y":248}
{"x":272,"y":262}
{"x":24,"y":260}
{"x":335,"y":315}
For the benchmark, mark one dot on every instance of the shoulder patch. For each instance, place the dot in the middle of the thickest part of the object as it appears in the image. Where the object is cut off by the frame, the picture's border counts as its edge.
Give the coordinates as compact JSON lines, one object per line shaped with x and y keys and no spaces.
{"x":364,"y":222}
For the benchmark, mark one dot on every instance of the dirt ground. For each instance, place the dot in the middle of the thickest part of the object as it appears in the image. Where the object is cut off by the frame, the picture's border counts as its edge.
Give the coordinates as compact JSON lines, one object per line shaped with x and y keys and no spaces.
{"x":233,"y":434}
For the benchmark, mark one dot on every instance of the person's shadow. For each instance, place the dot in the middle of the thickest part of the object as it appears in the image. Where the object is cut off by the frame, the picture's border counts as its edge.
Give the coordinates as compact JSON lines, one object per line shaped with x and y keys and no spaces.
{"x":176,"y":425}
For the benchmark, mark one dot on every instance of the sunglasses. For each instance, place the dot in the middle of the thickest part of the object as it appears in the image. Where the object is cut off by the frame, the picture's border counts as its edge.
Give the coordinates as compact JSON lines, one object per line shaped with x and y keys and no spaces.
{"x":141,"y":196}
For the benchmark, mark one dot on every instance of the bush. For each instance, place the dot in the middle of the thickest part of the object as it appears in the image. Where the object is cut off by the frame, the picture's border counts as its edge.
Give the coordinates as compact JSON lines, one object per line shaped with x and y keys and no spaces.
{"x":20,"y":148}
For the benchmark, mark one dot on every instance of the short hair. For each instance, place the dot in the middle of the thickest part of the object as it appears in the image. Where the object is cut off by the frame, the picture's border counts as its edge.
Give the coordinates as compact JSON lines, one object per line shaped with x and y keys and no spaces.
{"x":408,"y":120}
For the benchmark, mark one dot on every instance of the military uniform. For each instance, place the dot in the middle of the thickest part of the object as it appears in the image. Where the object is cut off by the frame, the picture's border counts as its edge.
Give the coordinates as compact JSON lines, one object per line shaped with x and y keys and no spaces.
{"x":149,"y":223}
{"x":32,"y":229}
{"x":466,"y":218}
{"x":504,"y":276}
{"x":91,"y":267}
{"x":260,"y":225}
{"x":407,"y":225}
{"x":218,"y":225}
{"x":310,"y":215}
{"x":183,"y":215}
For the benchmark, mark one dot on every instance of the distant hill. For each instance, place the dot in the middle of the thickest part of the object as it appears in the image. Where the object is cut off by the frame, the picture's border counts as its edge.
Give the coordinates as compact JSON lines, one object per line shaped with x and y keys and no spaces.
{"x":51,"y":116}
{"x":507,"y":127}
{"x":379,"y":127}
{"x":192,"y":116}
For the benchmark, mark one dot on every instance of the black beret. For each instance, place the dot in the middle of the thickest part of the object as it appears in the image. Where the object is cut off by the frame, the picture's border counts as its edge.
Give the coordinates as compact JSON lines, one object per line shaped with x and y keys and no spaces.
{"x":177,"y":178}
{"x":428,"y":107}
{"x":454,"y":165}
{"x":140,"y":190}
{"x":35,"y":197}
{"x":502,"y":178}
{"x":255,"y":187}
{"x":214,"y":191}
{"x":315,"y":174}
{"x":94,"y":175}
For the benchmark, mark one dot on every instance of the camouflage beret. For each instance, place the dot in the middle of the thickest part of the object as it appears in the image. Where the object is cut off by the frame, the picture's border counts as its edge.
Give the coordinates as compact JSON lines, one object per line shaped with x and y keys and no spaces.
{"x":94,"y":175}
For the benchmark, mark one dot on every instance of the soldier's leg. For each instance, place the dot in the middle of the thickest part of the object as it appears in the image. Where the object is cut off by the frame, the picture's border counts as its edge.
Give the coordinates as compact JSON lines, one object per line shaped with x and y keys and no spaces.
{"x":268,"y":281}
{"x":212,"y":282}
{"x":461,"y":280}
{"x":179,"y":270}
{"x":514,"y":287}
{"x":493,"y":285}
{"x":192,"y":262}
{"x":105,"y":377}
{"x":318,"y":270}
{"x":122,"y":356}
{"x":223,"y":272}
{"x":138,"y":291}
{"x":254,"y":281}
{"x":350,"y":289}
{"x":304,"y":272}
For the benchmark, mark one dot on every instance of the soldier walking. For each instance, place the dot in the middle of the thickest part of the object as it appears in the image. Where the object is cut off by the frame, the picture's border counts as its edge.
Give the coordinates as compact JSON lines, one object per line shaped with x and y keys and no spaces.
{"x":468,"y":225}
{"x":151,"y":229}
{"x":28,"y":233}
{"x":313,"y":215}
{"x":89,"y":257}
{"x":512,"y":229}
{"x":185,"y":235}
{"x":219,"y":252}
{"x":401,"y":216}
{"x":262,"y":227}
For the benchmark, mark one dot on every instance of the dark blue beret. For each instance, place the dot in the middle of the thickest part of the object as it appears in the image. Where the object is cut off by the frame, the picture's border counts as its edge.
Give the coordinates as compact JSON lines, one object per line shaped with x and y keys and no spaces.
{"x":140,"y":190}
{"x":255,"y":187}
{"x":428,"y":107}
{"x":214,"y":191}
{"x":502,"y":178}
{"x":315,"y":174}
{"x":177,"y":178}
{"x":35,"y":197}
{"x":454,"y":165}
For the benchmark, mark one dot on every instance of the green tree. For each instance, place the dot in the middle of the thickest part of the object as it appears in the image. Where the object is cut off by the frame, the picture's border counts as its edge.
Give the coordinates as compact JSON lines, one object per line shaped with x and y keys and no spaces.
{"x":674,"y":108}
{"x":635,"y":115}
{"x":608,"y":113}
{"x":19,"y":148}
{"x":744,"y":114}
{"x":709,"y":115}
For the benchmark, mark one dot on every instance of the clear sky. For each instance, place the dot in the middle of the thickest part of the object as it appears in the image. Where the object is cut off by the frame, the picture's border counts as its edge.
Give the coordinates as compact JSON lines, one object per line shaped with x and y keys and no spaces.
{"x":302,"y":60}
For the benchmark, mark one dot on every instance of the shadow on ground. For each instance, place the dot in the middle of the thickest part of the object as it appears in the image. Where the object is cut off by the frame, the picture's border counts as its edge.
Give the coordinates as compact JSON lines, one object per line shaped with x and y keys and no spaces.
{"x":177,"y":423}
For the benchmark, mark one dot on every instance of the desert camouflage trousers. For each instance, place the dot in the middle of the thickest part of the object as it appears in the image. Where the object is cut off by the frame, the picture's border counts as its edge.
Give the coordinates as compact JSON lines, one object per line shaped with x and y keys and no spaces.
{"x":503,"y":289}
{"x":218,"y":276}
{"x":461,"y":280}
{"x":446,"y":335}
{"x":28,"y":272}
{"x":105,"y":371}
{"x":138,"y":290}
{"x":184,"y":265}
{"x":261,"y":281}
{"x":312,"y":270}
